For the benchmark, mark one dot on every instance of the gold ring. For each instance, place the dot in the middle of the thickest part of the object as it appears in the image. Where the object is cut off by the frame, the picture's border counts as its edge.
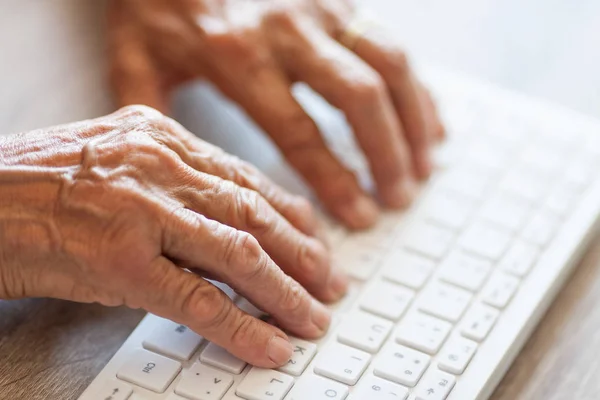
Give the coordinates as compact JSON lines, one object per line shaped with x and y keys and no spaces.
{"x":356,"y":29}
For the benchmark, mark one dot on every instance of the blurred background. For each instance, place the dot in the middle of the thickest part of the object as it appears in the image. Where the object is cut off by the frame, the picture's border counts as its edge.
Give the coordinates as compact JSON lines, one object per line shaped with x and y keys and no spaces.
{"x":52,"y":66}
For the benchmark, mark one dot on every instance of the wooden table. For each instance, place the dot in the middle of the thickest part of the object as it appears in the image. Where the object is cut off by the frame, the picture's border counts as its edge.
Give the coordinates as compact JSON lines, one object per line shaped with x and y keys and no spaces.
{"x":52,"y":71}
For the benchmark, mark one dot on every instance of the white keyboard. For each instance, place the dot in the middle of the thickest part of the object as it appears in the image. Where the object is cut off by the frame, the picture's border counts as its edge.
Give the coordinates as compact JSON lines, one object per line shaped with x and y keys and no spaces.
{"x":443,"y":296}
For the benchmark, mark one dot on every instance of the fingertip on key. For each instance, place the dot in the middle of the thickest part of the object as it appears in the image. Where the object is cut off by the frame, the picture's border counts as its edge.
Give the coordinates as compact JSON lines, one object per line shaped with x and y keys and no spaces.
{"x":401,"y":194}
{"x":360,"y":213}
{"x":279,"y":350}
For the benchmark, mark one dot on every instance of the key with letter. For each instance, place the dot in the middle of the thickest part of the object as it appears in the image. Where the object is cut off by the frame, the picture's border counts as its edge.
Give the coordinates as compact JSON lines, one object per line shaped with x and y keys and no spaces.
{"x":387,"y":300}
{"x":364,"y":331}
{"x":264,"y":384}
{"x":435,"y":386}
{"x":342,"y":363}
{"x":423,"y":332}
{"x":408,"y":269}
{"x":173,"y":340}
{"x":374,"y":388}
{"x":219,"y":357}
{"x":444,"y":301}
{"x":302,"y":354}
{"x":479,"y":321}
{"x":149,"y":370}
{"x":204,"y":383}
{"x":456,"y":355}
{"x":400,"y":364}
{"x":315,"y":387}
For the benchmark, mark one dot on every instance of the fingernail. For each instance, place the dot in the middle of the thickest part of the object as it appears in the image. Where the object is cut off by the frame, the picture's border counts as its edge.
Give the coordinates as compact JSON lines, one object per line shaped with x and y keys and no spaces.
{"x":362,"y":212}
{"x":338,"y":282}
{"x":402,"y":193}
{"x":320,"y":315}
{"x":279,"y":350}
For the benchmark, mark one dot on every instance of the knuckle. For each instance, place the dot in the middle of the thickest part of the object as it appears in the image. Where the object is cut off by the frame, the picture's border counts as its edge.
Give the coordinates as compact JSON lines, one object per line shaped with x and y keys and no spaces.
{"x":243,"y":252}
{"x":294,"y":301}
{"x":399,"y":63}
{"x":367,"y":88}
{"x":141,"y":112}
{"x":204,"y":304}
{"x":282,"y":17}
{"x":253,"y":211}
{"x":245,"y":332}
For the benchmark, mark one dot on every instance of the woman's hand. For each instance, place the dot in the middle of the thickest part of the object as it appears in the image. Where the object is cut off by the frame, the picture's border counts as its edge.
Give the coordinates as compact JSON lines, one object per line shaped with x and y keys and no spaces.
{"x":254,"y":51}
{"x":132,"y":209}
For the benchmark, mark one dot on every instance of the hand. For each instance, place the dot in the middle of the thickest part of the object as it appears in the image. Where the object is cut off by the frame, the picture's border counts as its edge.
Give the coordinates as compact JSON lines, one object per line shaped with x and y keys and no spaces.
{"x":132,"y":209}
{"x":254,"y":51}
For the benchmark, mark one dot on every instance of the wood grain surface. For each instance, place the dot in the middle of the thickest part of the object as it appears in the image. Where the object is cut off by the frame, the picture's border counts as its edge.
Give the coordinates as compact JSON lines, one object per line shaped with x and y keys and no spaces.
{"x":52,"y":70}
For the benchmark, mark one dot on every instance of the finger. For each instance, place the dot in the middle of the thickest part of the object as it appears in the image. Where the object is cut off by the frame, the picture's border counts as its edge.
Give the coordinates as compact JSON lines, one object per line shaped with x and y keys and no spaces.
{"x":192,"y":301}
{"x":302,"y":257}
{"x":264,"y":92}
{"x":385,"y":56}
{"x":439,"y":130}
{"x":133,"y":76}
{"x":210,"y":159}
{"x":236,"y":258}
{"x":350,"y":84}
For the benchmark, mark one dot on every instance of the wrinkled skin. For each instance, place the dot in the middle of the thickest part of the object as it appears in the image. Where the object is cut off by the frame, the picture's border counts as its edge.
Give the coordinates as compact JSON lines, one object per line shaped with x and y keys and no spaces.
{"x":254,"y":50}
{"x":131,"y":209}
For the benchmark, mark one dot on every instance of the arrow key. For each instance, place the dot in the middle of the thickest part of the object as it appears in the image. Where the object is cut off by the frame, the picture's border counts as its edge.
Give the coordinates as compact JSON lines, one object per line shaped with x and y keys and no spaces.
{"x":114,"y":390}
{"x":435,"y":386}
{"x":203,"y":383}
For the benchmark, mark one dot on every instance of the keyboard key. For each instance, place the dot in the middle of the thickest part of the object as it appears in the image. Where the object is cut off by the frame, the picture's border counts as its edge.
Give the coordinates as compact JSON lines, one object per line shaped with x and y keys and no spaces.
{"x":435,"y":386}
{"x":400,"y":364}
{"x":381,"y":236}
{"x":479,"y":322}
{"x":456,"y":355}
{"x":465,"y":270}
{"x":485,"y":241}
{"x":423,"y":332}
{"x":264,"y":384}
{"x":519,"y":259}
{"x":218,"y":357}
{"x":444,"y":301}
{"x":301,"y":356}
{"x":203,"y":383}
{"x":541,"y":229}
{"x":526,"y":184}
{"x":561,"y":200}
{"x":374,"y":388}
{"x":359,"y":261}
{"x":314,"y":387}
{"x":173,"y":340}
{"x":387,"y":300}
{"x":364,"y":331}
{"x":149,"y":370}
{"x":470,"y":182}
{"x":507,"y":212}
{"x":428,"y":239}
{"x":500,"y":289}
{"x":408,"y":269}
{"x":447,"y":209}
{"x":114,"y":390}
{"x":342,"y":363}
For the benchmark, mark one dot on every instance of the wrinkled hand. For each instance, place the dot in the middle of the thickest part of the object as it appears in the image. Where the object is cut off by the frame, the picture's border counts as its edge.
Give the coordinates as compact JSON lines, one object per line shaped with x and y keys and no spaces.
{"x":254,"y":51}
{"x":133,"y":209}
